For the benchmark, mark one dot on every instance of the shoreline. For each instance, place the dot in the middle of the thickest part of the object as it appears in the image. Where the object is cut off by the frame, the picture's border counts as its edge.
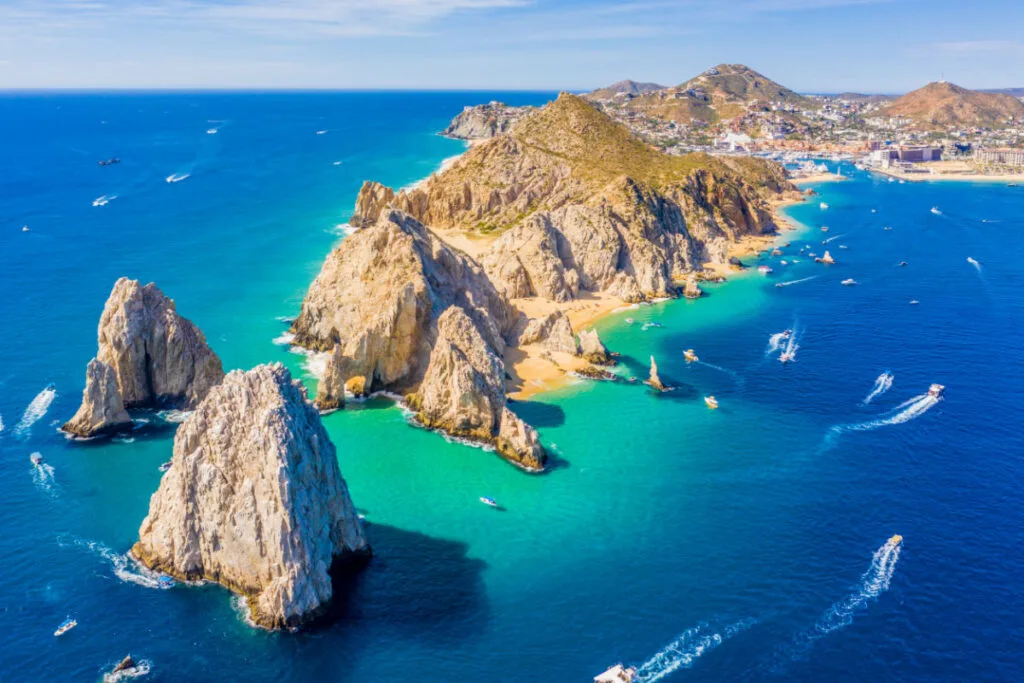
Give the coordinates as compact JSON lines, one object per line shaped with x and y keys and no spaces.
{"x":951,"y":177}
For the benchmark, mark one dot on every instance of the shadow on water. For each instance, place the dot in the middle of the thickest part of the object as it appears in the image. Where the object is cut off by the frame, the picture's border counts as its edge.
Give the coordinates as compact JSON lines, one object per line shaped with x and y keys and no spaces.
{"x":680,"y":390}
{"x":539,"y":414}
{"x":415,"y":586}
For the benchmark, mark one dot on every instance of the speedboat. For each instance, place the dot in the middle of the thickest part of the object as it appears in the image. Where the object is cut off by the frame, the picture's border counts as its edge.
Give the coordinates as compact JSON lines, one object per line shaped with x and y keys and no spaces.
{"x":488,"y":501}
{"x":902,"y":263}
{"x":25,"y":228}
{"x":786,"y":357}
{"x":108,"y":162}
{"x":36,"y":459}
{"x":849,"y":282}
{"x":823,"y":206}
{"x":211,"y":131}
{"x":321,"y":132}
{"x":874,"y":210}
{"x":936,"y":390}
{"x":824,"y":228}
{"x":690,"y":356}
{"x":616,"y":674}
{"x":65,"y":626}
{"x":630,"y":321}
{"x":166,"y":466}
{"x":165,"y":582}
{"x":783,"y":262}
{"x":936,"y":211}
{"x":887,"y":228}
{"x":764,"y":270}
{"x":779,"y":285}
{"x":895,"y":540}
{"x":711,"y":402}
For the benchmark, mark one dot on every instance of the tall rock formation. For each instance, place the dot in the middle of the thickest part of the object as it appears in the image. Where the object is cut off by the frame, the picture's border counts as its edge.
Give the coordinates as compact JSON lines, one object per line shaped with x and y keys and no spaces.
{"x":591,"y":348}
{"x":381,"y":297}
{"x":254,"y":500}
{"x":554,"y":331}
{"x":157,"y":357}
{"x":330,"y":392}
{"x":102,"y":410}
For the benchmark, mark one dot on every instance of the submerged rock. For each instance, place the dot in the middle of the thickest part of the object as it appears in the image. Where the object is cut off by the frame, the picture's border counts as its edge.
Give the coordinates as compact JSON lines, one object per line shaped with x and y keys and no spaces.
{"x":255,"y":501}
{"x":102,"y":410}
{"x":158,"y":358}
{"x":592,"y":350}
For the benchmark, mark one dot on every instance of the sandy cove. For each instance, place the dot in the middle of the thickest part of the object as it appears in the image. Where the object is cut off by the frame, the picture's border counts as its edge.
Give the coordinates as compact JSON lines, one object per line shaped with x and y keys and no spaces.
{"x":532,"y":368}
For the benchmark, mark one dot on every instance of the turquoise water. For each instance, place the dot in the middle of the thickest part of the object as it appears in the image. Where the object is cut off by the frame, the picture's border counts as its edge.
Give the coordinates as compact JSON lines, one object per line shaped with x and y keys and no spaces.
{"x":727,"y":545}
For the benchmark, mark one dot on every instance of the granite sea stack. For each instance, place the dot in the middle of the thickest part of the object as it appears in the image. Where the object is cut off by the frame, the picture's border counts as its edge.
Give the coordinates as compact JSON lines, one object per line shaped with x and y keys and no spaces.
{"x":654,"y":380}
{"x":484,"y":121}
{"x":157,"y":358}
{"x":330,"y":392}
{"x":254,"y":500}
{"x":415,"y":316}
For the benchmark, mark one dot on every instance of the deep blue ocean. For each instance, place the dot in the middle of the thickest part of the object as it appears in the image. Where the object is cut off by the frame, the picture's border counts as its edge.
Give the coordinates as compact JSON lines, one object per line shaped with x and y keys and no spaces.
{"x":747,"y":543}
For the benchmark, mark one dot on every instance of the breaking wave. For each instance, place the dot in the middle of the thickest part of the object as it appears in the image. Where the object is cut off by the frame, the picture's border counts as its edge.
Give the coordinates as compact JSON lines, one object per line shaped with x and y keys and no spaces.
{"x":882,"y":385}
{"x":125,"y":568}
{"x":686,"y":649}
{"x":284,"y":339}
{"x":35,"y":411}
{"x":905,"y":412}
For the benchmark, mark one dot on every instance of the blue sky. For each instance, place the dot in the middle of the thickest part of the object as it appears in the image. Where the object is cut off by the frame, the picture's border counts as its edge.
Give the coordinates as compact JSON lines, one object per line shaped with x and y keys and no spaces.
{"x":809,"y":45}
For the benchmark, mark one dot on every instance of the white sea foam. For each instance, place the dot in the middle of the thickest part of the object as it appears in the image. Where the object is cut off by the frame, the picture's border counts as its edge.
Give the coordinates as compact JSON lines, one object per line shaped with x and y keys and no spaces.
{"x":796,"y":282}
{"x":35,"y":411}
{"x":1,"y":423}
{"x":873,"y":583}
{"x":142,"y":668}
{"x":284,"y":339}
{"x":973,"y":262}
{"x":125,"y":568}
{"x":775,"y":343}
{"x":43,"y":477}
{"x":686,"y":649}
{"x":905,"y":412}
{"x":175,"y":416}
{"x":177,"y":177}
{"x":104,"y":200}
{"x":882,"y":385}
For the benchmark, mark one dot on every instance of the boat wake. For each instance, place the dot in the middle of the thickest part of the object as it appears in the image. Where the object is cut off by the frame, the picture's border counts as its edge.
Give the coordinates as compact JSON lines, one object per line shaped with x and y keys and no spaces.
{"x":682,"y":652}
{"x":776,"y":341}
{"x":905,"y":412}
{"x":43,"y":476}
{"x":125,"y":568}
{"x":177,"y":177}
{"x":104,"y":200}
{"x":35,"y":411}
{"x":736,"y":377}
{"x":882,"y":385}
{"x":832,"y":238}
{"x":873,"y":583}
{"x":974,"y":262}
{"x":796,"y":282}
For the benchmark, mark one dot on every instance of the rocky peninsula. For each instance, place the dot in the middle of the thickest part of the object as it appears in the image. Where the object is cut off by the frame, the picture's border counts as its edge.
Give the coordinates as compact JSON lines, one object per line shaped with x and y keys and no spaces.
{"x":533,"y":234}
{"x":484,"y":121}
{"x":254,"y":500}
{"x":149,"y":356}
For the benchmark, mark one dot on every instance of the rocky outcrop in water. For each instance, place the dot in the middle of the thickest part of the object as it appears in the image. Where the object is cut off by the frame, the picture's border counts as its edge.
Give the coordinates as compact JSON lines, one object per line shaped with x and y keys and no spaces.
{"x":102,"y":410}
{"x":381,"y":297}
{"x":484,"y":121}
{"x":159,"y":358}
{"x":654,"y":380}
{"x":254,"y":500}
{"x":592,"y":350}
{"x":692,"y":290}
{"x":330,"y":392}
{"x":463,"y":393}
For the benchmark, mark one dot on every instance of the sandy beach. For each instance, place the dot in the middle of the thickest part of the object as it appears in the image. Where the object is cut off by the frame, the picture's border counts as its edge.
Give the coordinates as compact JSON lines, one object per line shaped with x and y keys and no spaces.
{"x":960,"y":171}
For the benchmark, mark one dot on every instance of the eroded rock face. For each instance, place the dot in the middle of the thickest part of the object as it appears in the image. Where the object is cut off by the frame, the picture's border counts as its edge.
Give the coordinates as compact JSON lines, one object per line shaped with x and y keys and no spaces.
{"x":654,"y":380}
{"x":102,"y":410}
{"x":591,"y":348}
{"x":553,"y":331}
{"x":484,"y":121}
{"x":692,"y":290}
{"x":379,"y":294}
{"x":157,"y":358}
{"x":254,"y":500}
{"x":330,"y":391}
{"x":463,"y":393}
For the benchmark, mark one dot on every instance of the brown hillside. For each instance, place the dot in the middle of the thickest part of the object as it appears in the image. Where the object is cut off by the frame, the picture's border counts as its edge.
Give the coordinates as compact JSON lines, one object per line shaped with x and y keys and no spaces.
{"x":945,"y":104}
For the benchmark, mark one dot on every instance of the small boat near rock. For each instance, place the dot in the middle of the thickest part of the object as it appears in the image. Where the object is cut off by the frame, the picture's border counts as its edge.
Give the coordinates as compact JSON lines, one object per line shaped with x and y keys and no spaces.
{"x":711,"y":402}
{"x":690,"y":356}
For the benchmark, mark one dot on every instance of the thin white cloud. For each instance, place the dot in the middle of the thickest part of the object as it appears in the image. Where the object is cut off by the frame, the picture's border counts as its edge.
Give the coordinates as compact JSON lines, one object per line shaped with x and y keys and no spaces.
{"x":980,"y":46}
